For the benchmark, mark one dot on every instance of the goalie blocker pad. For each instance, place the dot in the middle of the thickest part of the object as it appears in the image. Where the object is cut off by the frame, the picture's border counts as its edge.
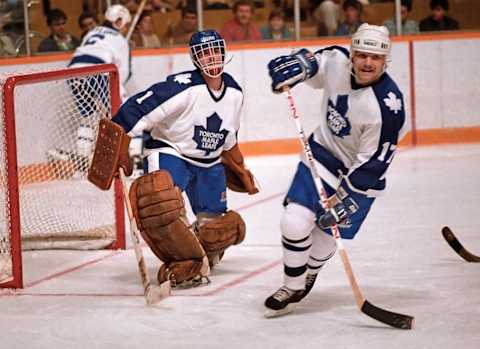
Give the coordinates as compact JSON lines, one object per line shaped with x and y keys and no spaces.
{"x":239,"y":178}
{"x":159,"y":212}
{"x":111,"y":153}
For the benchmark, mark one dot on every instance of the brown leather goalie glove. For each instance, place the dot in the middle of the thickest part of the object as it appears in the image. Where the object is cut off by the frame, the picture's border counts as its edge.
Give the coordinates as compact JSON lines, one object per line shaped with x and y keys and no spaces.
{"x":239,"y":178}
{"x":111,"y":153}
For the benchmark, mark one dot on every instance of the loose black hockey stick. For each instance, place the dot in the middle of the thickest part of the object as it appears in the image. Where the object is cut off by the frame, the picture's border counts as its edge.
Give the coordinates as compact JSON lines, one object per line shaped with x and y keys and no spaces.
{"x":387,"y":317}
{"x":458,"y":247}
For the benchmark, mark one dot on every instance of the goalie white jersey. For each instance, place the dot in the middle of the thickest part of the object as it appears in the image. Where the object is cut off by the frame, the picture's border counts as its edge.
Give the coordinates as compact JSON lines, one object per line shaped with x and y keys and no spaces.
{"x":182,"y":117}
{"x":104,"y":45}
{"x":359,"y":126}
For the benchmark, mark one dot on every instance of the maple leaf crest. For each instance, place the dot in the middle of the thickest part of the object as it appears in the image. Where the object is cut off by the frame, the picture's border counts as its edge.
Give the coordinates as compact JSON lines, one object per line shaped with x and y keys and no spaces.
{"x":393,"y":103}
{"x":337,"y":120}
{"x":185,"y":78}
{"x":211,"y":138}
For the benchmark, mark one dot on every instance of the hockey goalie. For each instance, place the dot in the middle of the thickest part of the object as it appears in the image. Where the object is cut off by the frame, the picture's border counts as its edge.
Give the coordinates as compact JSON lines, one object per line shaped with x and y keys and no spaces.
{"x":190,"y":124}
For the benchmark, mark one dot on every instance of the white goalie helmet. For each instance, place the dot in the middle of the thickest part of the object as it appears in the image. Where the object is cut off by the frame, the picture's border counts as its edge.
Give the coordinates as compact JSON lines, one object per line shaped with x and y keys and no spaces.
{"x":116,"y":12}
{"x":372,"y":39}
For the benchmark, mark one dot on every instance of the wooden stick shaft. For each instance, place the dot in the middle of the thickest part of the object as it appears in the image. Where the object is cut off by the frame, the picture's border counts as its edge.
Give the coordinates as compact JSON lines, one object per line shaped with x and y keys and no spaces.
{"x":142,"y":268}
{"x":324,"y":202}
{"x":135,"y":19}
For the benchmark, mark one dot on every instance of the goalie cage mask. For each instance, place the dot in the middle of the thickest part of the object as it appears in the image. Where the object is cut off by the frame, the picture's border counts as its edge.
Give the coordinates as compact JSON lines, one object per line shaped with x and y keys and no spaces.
{"x":207,"y":50}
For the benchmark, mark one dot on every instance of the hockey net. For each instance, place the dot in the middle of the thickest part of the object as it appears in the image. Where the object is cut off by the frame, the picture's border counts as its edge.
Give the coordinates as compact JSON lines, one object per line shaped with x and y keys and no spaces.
{"x":47,"y":130}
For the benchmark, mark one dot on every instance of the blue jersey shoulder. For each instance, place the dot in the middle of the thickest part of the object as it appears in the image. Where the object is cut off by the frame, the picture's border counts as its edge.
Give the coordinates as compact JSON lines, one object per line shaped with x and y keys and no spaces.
{"x":392,"y":106}
{"x":229,"y":81}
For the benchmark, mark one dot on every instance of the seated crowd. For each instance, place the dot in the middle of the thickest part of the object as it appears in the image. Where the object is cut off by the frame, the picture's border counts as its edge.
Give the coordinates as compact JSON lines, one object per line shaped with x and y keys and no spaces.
{"x":326,"y":17}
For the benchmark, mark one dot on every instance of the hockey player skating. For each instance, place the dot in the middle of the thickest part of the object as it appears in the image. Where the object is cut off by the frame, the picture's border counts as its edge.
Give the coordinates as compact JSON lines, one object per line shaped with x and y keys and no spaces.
{"x":361,"y":120}
{"x":191,"y":122}
{"x":103,"y":44}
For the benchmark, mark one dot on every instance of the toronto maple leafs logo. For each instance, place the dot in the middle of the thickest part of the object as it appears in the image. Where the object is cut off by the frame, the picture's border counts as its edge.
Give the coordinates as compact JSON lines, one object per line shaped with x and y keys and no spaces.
{"x":183,"y":78}
{"x":393,"y":103}
{"x":211,"y":138}
{"x":336,"y":117}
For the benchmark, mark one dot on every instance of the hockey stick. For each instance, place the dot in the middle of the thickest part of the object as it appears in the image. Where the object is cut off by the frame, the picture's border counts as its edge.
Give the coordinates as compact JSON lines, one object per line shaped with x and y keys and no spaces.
{"x":153,"y":293}
{"x":135,"y":19}
{"x":387,"y":317}
{"x":458,"y":247}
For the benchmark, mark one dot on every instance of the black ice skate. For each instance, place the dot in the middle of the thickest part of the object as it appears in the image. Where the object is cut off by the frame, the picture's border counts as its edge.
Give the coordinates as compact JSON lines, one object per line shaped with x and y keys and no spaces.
{"x":285,"y":300}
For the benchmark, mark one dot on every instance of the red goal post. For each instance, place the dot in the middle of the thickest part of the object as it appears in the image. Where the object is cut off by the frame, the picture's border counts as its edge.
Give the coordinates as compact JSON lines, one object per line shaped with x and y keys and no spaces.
{"x":47,"y":127}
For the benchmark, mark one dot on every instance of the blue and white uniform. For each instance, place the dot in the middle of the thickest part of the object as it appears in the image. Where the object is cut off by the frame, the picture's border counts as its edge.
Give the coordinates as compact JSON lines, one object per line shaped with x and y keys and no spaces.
{"x":359,"y":127}
{"x":186,"y":126}
{"x":103,"y":45}
{"x":355,"y":142}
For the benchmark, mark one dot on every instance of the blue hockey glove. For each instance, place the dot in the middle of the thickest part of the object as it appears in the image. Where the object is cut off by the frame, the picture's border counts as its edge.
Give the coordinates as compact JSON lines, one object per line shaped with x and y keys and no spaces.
{"x":343,"y":206}
{"x":287,"y":71}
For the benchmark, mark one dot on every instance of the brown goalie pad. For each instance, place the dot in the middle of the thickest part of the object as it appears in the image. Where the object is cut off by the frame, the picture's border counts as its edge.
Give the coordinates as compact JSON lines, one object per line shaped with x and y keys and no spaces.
{"x":220,"y":233}
{"x":239,"y":178}
{"x":111,"y":153}
{"x":159,"y":212}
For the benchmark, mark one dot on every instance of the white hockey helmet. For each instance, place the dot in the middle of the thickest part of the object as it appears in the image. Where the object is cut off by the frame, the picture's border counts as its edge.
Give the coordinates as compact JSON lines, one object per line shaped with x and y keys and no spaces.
{"x":371,"y":39}
{"x":116,"y":12}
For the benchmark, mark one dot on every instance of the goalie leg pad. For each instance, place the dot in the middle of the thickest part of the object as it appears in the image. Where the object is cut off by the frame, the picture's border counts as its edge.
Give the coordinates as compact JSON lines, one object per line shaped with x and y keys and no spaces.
{"x":159,"y":212}
{"x":219,"y":233}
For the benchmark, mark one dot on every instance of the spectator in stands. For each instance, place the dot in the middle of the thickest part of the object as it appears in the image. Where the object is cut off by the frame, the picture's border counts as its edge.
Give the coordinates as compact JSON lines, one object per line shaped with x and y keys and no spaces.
{"x":7,"y":48}
{"x":161,"y":6}
{"x":241,"y":26}
{"x":217,"y":4}
{"x":438,"y":20}
{"x":409,"y":26}
{"x":181,"y":32}
{"x":86,"y":22}
{"x":59,"y":39}
{"x":326,"y":16}
{"x":276,"y":29}
{"x":131,"y":5}
{"x":352,"y":11}
{"x":144,"y":35}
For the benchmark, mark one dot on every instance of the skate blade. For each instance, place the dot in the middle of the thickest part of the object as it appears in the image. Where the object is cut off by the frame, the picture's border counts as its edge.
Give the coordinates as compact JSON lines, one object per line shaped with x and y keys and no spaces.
{"x":270,"y":313}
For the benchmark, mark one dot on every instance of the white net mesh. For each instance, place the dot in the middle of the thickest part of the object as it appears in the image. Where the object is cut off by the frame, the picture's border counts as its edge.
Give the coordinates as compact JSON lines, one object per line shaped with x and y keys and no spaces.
{"x":56,"y":125}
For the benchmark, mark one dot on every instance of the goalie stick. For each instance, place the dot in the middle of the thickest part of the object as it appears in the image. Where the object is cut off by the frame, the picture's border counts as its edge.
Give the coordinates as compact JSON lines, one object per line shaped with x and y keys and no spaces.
{"x":153,"y":293}
{"x":397,"y":320}
{"x":458,"y":247}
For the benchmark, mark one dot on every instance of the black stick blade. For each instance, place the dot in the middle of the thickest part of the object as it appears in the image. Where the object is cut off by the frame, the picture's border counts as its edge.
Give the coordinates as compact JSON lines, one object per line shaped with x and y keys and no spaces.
{"x":458,"y":247}
{"x":404,"y":322}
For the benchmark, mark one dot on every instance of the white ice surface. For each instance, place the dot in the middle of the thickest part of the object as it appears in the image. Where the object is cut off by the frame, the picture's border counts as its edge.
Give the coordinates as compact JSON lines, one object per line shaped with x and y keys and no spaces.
{"x":77,"y":299}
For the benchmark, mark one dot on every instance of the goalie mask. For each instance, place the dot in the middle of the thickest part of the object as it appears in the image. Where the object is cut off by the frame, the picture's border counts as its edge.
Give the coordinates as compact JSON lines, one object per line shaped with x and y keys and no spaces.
{"x":207,"y":50}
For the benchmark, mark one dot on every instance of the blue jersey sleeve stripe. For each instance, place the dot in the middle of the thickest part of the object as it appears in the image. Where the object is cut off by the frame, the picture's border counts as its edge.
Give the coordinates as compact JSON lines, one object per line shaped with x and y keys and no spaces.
{"x":322,"y":155}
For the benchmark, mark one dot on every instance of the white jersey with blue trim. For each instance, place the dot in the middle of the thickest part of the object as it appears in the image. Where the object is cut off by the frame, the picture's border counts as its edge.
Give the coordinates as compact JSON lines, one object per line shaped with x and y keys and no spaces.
{"x":183,"y":117}
{"x":104,"y":45}
{"x":359,"y":126}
